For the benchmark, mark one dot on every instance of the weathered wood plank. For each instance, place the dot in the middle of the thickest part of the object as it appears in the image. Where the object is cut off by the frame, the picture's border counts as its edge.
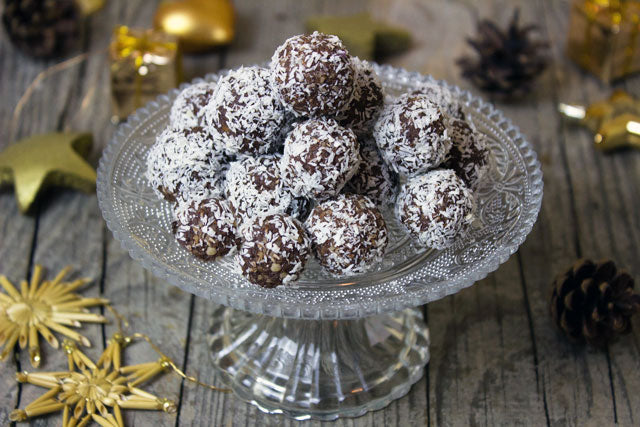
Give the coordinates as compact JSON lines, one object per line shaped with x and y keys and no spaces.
{"x":71,"y":227}
{"x":623,"y":182}
{"x":482,"y":368}
{"x":19,"y":231}
{"x":587,"y":396}
{"x":496,"y":358}
{"x":16,"y":231}
{"x":151,"y":306}
{"x":255,"y":45}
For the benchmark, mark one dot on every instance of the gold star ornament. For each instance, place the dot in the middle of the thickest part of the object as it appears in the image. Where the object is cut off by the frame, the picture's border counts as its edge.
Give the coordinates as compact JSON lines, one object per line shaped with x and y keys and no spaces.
{"x":95,"y":391}
{"x":52,"y":159}
{"x":364,"y":36}
{"x":41,"y":307}
{"x":615,"y":121}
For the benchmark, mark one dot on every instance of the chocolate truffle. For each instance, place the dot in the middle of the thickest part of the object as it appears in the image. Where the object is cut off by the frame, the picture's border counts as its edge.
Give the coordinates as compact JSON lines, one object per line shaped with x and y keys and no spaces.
{"x":313,"y":74}
{"x":319,"y":158}
{"x":373,"y":179}
{"x":205,"y":228}
{"x":412,"y":134}
{"x":348,"y":234}
{"x":188,"y":108}
{"x":443,"y":98}
{"x":366,"y":103}
{"x":469,"y":154}
{"x":254,"y":187}
{"x":246,"y":112}
{"x":182,"y":162}
{"x":435,"y":208}
{"x":274,"y":250}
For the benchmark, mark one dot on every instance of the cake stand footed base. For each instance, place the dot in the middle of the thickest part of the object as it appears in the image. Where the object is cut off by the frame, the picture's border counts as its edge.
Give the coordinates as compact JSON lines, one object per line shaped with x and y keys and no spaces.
{"x":319,"y":369}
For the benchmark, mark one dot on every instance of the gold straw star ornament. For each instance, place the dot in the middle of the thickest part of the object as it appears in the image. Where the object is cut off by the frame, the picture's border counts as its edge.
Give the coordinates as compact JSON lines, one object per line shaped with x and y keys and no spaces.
{"x":95,"y":391}
{"x":41,"y":307}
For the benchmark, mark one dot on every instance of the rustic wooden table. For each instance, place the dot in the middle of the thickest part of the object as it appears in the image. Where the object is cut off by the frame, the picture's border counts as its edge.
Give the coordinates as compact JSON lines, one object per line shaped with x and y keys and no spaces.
{"x":496,"y":358}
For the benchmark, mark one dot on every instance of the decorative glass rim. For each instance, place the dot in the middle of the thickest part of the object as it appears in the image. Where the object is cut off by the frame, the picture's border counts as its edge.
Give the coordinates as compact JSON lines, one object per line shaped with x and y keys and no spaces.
{"x":408,"y":285}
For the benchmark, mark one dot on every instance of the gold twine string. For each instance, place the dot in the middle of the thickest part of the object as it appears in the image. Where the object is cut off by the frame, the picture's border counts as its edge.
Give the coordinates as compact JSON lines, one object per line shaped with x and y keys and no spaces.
{"x":167,"y":361}
{"x":61,"y":66}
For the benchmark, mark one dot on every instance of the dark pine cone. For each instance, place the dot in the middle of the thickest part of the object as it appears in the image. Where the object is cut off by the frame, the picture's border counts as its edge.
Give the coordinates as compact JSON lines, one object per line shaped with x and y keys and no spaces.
{"x":42,"y":28}
{"x":593,"y":302}
{"x":508,"y":60}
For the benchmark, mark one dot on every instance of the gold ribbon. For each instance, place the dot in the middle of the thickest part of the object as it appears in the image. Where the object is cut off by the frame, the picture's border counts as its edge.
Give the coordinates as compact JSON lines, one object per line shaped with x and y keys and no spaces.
{"x":613,"y":15}
{"x":146,"y":47}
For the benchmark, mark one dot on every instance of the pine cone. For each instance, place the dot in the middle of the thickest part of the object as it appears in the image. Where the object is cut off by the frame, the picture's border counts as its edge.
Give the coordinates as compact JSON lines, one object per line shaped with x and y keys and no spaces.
{"x":593,"y":302}
{"x":42,"y":28}
{"x":508,"y":61}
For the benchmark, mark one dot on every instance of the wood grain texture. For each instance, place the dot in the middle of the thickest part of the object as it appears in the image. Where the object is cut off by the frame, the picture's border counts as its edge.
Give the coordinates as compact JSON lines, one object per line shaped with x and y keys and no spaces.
{"x":16,"y":231}
{"x":496,"y":357}
{"x":202,"y":408}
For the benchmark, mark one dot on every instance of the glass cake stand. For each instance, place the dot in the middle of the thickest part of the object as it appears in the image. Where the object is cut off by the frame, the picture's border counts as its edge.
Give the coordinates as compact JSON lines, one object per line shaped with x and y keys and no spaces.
{"x":323,"y":347}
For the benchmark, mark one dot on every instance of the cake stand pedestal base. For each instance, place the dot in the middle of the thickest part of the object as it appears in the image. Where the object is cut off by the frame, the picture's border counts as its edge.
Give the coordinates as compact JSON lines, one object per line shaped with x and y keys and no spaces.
{"x":319,"y":369}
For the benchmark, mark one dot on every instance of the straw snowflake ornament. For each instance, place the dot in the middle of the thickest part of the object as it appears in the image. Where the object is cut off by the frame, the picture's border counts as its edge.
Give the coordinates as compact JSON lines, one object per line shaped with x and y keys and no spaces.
{"x":95,"y":391}
{"x":41,"y":307}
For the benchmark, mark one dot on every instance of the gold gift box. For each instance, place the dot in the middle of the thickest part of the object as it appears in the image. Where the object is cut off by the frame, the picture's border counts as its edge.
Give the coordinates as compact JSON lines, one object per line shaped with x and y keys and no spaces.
{"x":144,"y":64}
{"x":603,"y":37}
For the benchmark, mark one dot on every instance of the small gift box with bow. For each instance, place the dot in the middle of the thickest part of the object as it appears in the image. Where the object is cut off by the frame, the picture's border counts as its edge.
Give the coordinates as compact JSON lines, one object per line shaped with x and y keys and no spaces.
{"x":603,"y":37}
{"x":144,"y":64}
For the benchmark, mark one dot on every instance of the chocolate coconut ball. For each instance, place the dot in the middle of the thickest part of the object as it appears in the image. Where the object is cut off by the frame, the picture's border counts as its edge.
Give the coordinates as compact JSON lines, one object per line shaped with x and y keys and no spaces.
{"x":319,"y":158}
{"x":205,"y":228}
{"x":188,"y":108}
{"x":183,"y":163}
{"x":246,"y":112}
{"x":412,"y":134}
{"x":469,"y":154}
{"x":373,"y":179}
{"x":313,"y":74}
{"x":435,"y":208}
{"x":254,"y":187}
{"x":348,"y":234}
{"x":443,"y":98}
{"x":274,"y":250}
{"x":366,"y":103}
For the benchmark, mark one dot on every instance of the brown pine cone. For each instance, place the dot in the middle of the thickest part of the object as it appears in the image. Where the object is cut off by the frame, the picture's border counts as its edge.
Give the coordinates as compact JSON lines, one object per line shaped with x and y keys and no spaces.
{"x":593,"y":302}
{"x":508,"y":61}
{"x":42,"y":28}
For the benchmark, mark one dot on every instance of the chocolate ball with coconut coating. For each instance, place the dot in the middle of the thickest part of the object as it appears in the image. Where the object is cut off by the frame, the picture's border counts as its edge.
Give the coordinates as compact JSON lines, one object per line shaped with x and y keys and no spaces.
{"x":348,"y":234}
{"x":412,"y":134}
{"x":436,"y":208}
{"x":366,"y":103}
{"x":443,"y":98}
{"x":254,"y":187}
{"x":246,"y":112}
{"x":374,"y":178}
{"x":274,"y":250}
{"x":469,"y":154}
{"x":313,"y":74}
{"x":184,"y":162}
{"x":188,"y":108}
{"x":206,"y":228}
{"x":319,"y":158}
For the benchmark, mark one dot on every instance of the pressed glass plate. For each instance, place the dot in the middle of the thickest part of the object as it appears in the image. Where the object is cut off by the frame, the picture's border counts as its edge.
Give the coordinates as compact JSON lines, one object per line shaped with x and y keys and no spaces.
{"x":325,"y":347}
{"x":508,"y":203}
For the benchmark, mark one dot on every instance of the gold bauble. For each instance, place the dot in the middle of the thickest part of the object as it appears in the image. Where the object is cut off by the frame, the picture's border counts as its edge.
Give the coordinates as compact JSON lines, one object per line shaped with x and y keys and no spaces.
{"x":199,"y":24}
